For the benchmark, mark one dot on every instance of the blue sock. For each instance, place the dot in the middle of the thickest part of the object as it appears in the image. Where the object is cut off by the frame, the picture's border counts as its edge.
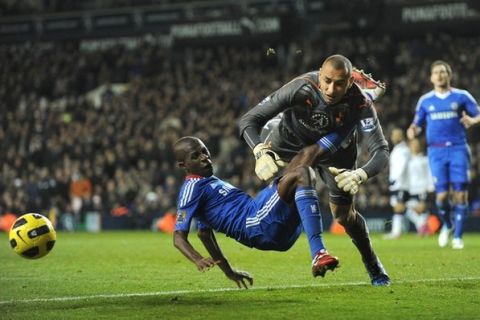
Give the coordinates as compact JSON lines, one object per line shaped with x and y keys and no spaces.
{"x":444,"y":213}
{"x":309,"y":211}
{"x":460,"y":215}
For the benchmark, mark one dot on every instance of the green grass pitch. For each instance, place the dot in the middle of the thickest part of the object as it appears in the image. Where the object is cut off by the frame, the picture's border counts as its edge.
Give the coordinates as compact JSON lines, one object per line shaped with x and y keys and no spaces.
{"x":140,"y":275}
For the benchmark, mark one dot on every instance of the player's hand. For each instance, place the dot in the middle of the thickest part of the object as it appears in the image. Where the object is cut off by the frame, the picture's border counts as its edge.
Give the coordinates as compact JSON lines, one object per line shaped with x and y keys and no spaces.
{"x":267,"y":162}
{"x":411,"y":132}
{"x":205,"y":264}
{"x":349,"y":180}
{"x":467,"y":121}
{"x":241,"y":278}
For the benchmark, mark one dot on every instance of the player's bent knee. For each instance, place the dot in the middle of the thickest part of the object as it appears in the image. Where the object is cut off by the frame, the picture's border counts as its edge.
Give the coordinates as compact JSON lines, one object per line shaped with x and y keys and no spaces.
{"x":306,"y":176}
{"x":344,"y":214}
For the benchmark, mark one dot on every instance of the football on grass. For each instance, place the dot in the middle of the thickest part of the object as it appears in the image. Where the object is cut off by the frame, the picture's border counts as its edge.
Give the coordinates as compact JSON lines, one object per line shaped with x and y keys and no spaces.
{"x":32,"y":236}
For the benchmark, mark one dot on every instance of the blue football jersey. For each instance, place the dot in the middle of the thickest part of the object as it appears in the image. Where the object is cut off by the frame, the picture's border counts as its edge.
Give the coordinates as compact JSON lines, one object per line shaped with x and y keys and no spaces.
{"x":215,"y":204}
{"x":442,"y":113}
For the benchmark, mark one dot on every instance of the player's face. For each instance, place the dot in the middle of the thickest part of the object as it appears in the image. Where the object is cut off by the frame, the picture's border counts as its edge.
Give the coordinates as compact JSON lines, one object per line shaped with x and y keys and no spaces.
{"x":334,"y":83}
{"x":197,"y":159}
{"x":440,"y":77}
{"x":396,"y":136}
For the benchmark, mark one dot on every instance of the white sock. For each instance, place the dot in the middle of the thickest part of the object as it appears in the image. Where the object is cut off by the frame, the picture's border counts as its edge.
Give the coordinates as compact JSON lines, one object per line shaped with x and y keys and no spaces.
{"x":413,"y":217}
{"x":397,"y":221}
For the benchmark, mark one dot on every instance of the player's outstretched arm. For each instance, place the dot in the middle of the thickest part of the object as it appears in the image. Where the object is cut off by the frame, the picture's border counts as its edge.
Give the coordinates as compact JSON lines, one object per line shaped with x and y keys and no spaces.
{"x":468,"y":121}
{"x":180,"y":240}
{"x":241,"y":278}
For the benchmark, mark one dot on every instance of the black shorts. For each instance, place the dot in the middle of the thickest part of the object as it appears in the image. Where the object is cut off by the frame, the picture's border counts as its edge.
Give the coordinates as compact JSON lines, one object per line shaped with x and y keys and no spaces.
{"x":398,"y":196}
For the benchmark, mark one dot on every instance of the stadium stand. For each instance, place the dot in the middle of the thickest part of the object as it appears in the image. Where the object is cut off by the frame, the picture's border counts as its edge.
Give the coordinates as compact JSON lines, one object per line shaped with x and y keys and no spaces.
{"x":109,"y":115}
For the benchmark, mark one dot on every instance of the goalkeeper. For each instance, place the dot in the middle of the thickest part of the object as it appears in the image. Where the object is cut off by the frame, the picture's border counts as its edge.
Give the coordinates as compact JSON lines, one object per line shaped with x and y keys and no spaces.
{"x":337,"y":98}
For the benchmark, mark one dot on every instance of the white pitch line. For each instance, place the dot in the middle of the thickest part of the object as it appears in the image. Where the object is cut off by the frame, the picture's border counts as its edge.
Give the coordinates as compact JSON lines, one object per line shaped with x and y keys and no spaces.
{"x":183,"y":292}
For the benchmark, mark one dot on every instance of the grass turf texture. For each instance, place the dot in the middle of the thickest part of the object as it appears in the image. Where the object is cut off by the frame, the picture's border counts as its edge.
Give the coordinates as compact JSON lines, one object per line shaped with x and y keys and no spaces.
{"x":139,"y":275}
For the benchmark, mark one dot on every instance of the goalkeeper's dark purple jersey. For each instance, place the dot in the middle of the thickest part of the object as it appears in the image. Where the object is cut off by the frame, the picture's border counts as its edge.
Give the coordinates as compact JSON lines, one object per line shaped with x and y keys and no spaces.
{"x":306,"y":118}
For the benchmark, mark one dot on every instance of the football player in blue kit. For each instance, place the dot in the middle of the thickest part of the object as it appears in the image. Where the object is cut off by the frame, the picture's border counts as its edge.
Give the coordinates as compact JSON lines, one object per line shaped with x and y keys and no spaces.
{"x":446,"y":113}
{"x":273,"y":220}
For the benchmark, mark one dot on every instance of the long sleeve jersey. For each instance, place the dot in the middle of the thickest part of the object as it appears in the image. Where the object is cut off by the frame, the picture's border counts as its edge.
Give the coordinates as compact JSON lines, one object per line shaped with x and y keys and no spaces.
{"x":306,"y":118}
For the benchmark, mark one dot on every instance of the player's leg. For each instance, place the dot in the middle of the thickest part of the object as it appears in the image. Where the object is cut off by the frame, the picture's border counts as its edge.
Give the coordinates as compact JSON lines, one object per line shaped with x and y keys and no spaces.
{"x":373,"y":88}
{"x":398,"y":205}
{"x":459,"y":167}
{"x":356,"y":227}
{"x":438,"y":160}
{"x":443,"y":208}
{"x":460,"y":209}
{"x":416,"y":214}
{"x":298,"y":187}
{"x":341,"y":205}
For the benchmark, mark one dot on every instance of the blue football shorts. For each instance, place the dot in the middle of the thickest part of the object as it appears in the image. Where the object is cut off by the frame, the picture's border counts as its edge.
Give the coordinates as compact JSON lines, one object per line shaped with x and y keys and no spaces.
{"x":272,"y":224}
{"x":450,"y":165}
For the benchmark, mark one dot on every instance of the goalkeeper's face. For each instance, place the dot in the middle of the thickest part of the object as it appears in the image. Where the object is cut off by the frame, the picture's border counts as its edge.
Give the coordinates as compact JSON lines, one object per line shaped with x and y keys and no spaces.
{"x":334,"y":83}
{"x":196,"y":158}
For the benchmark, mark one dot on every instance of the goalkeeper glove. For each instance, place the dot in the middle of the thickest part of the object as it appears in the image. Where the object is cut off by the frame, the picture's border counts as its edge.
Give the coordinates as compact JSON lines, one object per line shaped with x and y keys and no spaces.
{"x":349,"y":180}
{"x":267,"y":162}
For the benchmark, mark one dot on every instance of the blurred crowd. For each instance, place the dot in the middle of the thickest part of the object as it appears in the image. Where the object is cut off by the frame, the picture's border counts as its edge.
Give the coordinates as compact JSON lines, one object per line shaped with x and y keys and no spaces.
{"x":28,"y":7}
{"x":62,"y":149}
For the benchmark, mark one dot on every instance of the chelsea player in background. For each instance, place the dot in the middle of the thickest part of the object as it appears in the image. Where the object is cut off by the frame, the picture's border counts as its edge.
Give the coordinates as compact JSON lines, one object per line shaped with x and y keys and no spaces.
{"x":446,"y":113}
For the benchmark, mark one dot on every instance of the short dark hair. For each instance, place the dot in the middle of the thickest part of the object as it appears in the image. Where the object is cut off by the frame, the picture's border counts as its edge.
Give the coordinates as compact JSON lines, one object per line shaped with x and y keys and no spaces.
{"x":180,"y":145}
{"x":441,"y":63}
{"x":339,"y":62}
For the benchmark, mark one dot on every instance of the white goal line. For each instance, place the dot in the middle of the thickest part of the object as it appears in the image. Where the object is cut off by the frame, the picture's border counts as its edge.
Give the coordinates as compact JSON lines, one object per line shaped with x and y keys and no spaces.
{"x":183,"y":292}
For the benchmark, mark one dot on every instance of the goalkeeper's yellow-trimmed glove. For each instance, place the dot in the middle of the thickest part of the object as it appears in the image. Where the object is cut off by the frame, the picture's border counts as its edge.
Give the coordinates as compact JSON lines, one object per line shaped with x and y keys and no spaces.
{"x":267,"y":162}
{"x":349,"y":180}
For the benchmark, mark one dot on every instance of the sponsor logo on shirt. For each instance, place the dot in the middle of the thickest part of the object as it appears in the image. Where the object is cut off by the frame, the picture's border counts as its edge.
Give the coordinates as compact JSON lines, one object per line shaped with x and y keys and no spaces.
{"x":318,"y":121}
{"x":444,"y":115}
{"x":368,"y":124}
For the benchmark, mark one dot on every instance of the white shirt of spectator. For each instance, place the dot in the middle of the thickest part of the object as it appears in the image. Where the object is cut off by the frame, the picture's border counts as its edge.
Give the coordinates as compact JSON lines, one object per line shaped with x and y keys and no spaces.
{"x":398,"y":176}
{"x":420,"y":180}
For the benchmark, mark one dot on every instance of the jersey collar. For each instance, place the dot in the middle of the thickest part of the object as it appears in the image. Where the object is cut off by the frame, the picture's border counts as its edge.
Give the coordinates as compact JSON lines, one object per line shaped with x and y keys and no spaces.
{"x":193,"y":176}
{"x":442,"y":95}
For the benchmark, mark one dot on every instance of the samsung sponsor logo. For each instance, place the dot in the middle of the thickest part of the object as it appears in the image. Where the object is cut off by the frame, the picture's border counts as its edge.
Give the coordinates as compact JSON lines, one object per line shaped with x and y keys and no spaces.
{"x":444,"y":115}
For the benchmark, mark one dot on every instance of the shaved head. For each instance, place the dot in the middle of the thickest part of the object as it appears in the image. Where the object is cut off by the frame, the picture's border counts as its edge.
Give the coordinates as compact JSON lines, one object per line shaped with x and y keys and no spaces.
{"x":338,"y":62}
{"x":182,"y":145}
{"x":335,"y":78}
{"x":193,"y":156}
